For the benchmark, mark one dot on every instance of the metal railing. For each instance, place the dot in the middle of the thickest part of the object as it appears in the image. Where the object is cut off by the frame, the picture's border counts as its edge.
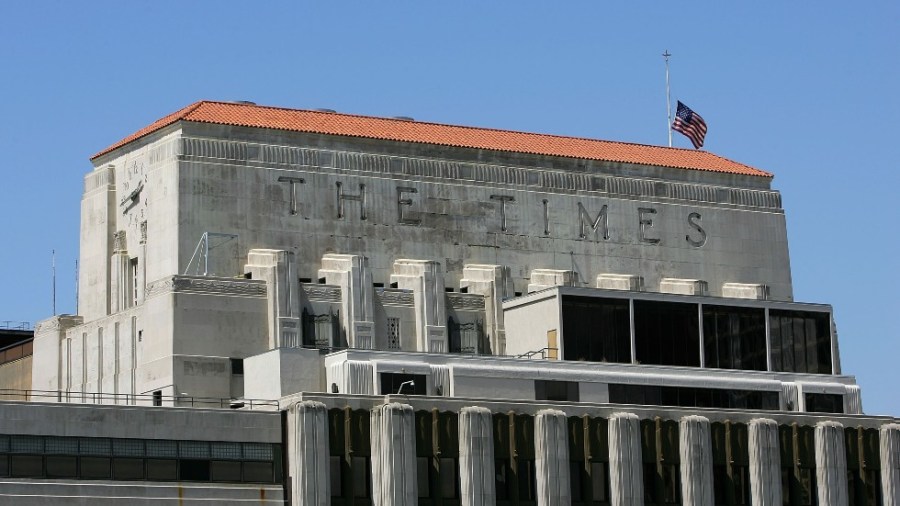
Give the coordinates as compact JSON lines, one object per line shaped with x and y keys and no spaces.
{"x":15,"y":325}
{"x":10,"y":394}
{"x":543,"y":352}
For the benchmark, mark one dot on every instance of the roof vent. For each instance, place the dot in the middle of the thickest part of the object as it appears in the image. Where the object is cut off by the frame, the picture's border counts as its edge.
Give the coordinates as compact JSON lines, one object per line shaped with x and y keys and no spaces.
{"x":245,"y":102}
{"x":322,"y":109}
{"x":405,"y":118}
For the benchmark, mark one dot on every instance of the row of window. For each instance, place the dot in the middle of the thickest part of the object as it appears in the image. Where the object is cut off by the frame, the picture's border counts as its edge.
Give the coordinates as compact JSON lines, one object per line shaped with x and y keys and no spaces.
{"x":668,"y":333}
{"x":515,"y":456}
{"x":139,"y":459}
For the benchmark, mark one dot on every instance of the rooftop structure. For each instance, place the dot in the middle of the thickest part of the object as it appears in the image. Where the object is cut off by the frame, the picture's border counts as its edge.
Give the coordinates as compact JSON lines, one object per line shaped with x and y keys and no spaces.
{"x":443,"y":315}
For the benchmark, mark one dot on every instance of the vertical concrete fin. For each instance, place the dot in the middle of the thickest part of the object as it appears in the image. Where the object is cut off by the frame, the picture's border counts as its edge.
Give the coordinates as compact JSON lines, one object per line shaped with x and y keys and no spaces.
{"x":440,"y":378}
{"x":552,"y":464}
{"x":765,"y":462}
{"x":394,"y":479}
{"x":426,"y":280}
{"x":831,"y":464}
{"x":495,"y":283}
{"x":279,"y":270}
{"x":309,"y":466}
{"x":626,"y":481}
{"x":352,"y":274}
{"x":889,"y":437}
{"x":696,"y":461}
{"x":476,"y":457}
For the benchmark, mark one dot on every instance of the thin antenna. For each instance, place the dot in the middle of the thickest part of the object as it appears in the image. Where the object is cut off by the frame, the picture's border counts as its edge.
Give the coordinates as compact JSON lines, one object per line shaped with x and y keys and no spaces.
{"x":53,"y":270}
{"x":76,"y":286}
{"x":666,"y":55}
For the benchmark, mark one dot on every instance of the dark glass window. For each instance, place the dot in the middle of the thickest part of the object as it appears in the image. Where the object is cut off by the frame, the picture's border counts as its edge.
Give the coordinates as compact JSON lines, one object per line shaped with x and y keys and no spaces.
{"x":361,"y":477}
{"x":193,"y":470}
{"x":237,"y":366}
{"x":801,"y":341}
{"x":824,"y":403}
{"x":391,"y":382}
{"x":667,"y":333}
{"x":596,"y":329}
{"x":162,"y":469}
{"x":650,"y":395}
{"x":863,"y":467}
{"x":660,"y":455}
{"x":225,"y":470}
{"x":128,"y":469}
{"x":95,"y":468}
{"x":547,"y":390}
{"x":26,"y":466}
{"x":449,"y":480}
{"x":734,"y":337}
{"x":157,"y":397}
{"x":422,"y":478}
{"x":335,"y":476}
{"x":4,"y":465}
{"x":62,"y":466}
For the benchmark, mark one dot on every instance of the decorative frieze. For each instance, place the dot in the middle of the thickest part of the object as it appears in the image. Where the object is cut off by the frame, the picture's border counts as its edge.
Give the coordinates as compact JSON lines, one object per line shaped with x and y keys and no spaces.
{"x":218,"y":286}
{"x":490,"y":174}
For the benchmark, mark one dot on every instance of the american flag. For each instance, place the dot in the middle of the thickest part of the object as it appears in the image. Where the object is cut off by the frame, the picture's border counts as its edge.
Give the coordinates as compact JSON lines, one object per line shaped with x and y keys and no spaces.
{"x":690,"y":124}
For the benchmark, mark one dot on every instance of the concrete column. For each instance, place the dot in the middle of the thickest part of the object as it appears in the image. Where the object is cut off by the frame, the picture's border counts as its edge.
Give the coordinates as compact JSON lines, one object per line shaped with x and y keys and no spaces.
{"x":476,"y":457}
{"x":394,"y":479}
{"x":790,"y":397}
{"x":626,"y":481}
{"x":889,"y":437}
{"x":695,"y":447}
{"x":765,"y":463}
{"x":426,"y":280}
{"x":440,"y":380}
{"x":351,"y":377}
{"x":279,"y":270}
{"x":48,"y":366}
{"x":551,"y":448}
{"x":120,"y":285}
{"x":853,"y":400}
{"x":831,"y":464}
{"x":100,"y":217}
{"x":352,"y":274}
{"x":308,"y":463}
{"x":546,"y":278}
{"x":495,"y":283}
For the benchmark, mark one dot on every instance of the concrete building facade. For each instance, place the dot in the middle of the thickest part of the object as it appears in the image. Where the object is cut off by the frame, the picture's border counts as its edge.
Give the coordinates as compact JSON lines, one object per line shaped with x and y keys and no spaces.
{"x":441,"y":315}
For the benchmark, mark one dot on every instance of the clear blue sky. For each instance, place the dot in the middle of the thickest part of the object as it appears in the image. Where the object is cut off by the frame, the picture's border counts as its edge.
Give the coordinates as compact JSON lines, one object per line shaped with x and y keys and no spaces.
{"x":807,"y":90}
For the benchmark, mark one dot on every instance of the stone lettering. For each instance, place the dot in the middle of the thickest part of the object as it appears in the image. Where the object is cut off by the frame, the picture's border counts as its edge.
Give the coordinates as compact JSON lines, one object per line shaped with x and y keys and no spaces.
{"x":503,"y":199}
{"x":361,"y":198}
{"x":402,"y":202}
{"x":546,"y":217}
{"x":293,"y":181}
{"x":601,"y":222}
{"x":693,"y":218}
{"x":645,"y":223}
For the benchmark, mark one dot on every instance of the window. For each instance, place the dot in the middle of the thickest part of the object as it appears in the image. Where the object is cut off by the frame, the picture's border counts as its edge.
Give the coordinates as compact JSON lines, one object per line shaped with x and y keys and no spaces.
{"x":651,"y":395}
{"x":157,"y":397}
{"x":596,"y":330}
{"x":237,"y":366}
{"x":135,"y":277}
{"x":667,"y":333}
{"x":393,"y":333}
{"x":734,"y":337}
{"x":824,"y":403}
{"x":801,"y":341}
{"x":413,"y":384}
{"x":546,"y":390}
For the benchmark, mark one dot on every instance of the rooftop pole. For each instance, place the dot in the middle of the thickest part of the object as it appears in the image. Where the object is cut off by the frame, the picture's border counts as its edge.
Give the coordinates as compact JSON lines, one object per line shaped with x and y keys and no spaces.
{"x":53,"y":270}
{"x":666,"y":55}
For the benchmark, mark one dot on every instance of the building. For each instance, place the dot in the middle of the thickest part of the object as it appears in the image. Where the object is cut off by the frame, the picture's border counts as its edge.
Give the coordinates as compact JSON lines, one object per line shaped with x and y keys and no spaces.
{"x":314,"y":307}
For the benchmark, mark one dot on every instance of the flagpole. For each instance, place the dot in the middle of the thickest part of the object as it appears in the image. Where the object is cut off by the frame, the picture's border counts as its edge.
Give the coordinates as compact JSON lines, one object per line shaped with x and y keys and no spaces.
{"x":666,"y":55}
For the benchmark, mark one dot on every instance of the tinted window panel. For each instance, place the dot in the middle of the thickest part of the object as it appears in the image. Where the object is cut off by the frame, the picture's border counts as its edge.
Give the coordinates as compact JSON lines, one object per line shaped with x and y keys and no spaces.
{"x":128,"y":469}
{"x":225,"y":470}
{"x":62,"y":466}
{"x":162,"y":469}
{"x":801,"y":341}
{"x":734,"y":337}
{"x":95,"y":468}
{"x":193,"y":470}
{"x":258,"y":472}
{"x":667,"y":333}
{"x":596,"y":329}
{"x":26,"y":466}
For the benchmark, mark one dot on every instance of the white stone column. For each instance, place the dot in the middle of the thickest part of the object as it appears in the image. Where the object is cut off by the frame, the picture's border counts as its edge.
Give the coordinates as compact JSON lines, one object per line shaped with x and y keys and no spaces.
{"x":440,"y":380}
{"x":695,"y":447}
{"x":551,"y":450}
{"x":351,"y":377}
{"x":308,"y":462}
{"x":765,"y":463}
{"x":394,"y":479}
{"x":853,"y":400}
{"x":476,"y":457}
{"x":495,"y":283}
{"x":626,"y":481}
{"x":546,"y":278}
{"x":279,"y":270}
{"x":352,"y":274}
{"x":889,"y":437}
{"x":831,"y":464}
{"x":120,"y":286}
{"x":426,"y":280}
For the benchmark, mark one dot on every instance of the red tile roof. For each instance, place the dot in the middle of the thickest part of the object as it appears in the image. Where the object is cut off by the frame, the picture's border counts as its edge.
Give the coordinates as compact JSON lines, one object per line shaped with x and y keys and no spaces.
{"x":297,"y":120}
